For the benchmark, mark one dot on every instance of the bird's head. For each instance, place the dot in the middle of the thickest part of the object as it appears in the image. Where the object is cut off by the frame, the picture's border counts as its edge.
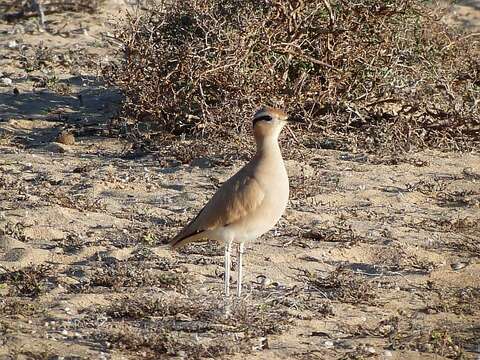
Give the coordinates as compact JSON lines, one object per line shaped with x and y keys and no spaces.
{"x":268,"y":122}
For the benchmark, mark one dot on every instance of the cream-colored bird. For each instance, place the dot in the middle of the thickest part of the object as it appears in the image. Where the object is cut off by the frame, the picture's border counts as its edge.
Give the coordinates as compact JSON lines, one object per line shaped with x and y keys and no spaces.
{"x":248,"y":204}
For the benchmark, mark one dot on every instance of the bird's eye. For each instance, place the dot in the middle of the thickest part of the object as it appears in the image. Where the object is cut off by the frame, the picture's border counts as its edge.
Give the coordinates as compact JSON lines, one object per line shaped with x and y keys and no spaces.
{"x":262,"y":118}
{"x":265,"y":118}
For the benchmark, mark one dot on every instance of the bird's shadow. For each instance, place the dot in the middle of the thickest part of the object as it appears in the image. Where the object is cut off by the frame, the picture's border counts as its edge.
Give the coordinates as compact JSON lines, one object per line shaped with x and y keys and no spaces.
{"x":375,"y":270}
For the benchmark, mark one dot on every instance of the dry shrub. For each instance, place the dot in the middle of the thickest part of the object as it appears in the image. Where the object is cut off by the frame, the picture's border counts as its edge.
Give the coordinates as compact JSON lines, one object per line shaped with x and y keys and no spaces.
{"x":370,"y":73}
{"x":344,"y":286}
{"x":136,"y":274}
{"x":31,"y":281}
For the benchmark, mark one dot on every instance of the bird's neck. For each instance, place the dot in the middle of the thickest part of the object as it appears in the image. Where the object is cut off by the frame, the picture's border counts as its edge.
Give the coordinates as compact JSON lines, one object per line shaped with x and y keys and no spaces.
{"x":268,"y":147}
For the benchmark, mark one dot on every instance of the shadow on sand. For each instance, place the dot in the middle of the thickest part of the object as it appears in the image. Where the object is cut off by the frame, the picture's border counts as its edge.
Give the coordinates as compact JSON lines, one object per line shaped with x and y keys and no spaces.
{"x":36,"y":117}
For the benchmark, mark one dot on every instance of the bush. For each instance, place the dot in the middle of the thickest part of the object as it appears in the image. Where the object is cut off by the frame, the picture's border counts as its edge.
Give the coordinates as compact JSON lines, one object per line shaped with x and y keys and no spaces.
{"x":368,"y":74}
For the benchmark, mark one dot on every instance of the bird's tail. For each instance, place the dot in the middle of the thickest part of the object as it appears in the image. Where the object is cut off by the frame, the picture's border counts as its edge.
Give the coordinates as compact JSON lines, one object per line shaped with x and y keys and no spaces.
{"x":179,"y":242}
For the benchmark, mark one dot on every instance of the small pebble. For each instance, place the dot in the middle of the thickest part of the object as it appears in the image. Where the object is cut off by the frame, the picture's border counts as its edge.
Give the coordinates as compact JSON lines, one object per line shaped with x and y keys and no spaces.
{"x":55,"y":147}
{"x":263,"y":280}
{"x":370,"y":350}
{"x":387,"y":353}
{"x":428,"y":347}
{"x":58,"y":250}
{"x":459,"y":265}
{"x":7,"y":81}
{"x":262,"y":344}
{"x":64,"y":332}
{"x":328,"y":344}
{"x":65,"y":138}
{"x":12,"y":44}
{"x":347,"y":344}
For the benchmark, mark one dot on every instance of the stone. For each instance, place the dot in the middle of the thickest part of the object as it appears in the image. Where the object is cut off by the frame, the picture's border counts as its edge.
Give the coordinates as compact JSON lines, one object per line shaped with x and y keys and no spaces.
{"x":6,"y":81}
{"x":58,"y":148}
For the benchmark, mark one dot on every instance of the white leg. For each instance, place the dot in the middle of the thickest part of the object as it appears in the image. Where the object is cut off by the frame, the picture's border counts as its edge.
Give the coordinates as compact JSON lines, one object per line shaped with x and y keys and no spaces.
{"x":228,"y":250}
{"x":240,"y":269}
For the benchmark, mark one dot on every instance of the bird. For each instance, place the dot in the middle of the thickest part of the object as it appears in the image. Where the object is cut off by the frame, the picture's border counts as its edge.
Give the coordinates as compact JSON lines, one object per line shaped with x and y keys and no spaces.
{"x":248,"y":204}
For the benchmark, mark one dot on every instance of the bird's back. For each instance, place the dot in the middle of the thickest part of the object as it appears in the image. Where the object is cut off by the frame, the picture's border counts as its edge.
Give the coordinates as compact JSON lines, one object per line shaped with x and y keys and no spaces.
{"x":249,"y":203}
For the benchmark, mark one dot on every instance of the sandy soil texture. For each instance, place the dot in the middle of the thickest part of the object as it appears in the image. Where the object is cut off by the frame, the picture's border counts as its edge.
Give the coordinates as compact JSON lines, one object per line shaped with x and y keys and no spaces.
{"x":376,"y":257}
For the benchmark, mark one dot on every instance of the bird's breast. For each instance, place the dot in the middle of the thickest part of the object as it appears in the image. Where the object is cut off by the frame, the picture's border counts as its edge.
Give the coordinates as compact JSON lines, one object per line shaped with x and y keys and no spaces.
{"x":265,"y":217}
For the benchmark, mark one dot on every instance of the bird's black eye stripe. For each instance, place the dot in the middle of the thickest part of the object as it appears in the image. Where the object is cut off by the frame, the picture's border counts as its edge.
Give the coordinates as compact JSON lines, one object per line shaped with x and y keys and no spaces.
{"x":264,"y":118}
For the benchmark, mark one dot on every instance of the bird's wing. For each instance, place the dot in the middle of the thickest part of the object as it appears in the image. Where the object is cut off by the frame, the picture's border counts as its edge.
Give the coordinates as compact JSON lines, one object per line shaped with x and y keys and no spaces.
{"x":236,"y":198}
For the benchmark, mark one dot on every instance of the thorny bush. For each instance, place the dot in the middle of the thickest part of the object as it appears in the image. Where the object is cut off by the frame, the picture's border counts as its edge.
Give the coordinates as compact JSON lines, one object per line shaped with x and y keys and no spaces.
{"x":371,"y":74}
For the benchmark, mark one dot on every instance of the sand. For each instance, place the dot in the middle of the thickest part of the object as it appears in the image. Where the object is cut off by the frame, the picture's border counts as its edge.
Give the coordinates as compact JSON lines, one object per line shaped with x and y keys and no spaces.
{"x":375,"y":257}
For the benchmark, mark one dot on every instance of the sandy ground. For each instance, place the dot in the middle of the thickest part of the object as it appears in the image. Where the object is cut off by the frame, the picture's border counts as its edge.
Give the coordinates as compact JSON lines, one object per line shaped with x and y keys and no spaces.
{"x":376,"y":257}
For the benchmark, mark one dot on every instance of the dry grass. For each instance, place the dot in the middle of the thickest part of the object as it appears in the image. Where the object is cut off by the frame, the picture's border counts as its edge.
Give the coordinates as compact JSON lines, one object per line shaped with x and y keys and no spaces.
{"x":193,"y":326}
{"x":366,"y":74}
{"x":207,"y":249}
{"x":46,"y":191}
{"x":31,"y":281}
{"x":137,"y":274}
{"x":48,"y":58}
{"x":462,"y":301}
{"x":46,"y":354}
{"x":18,"y":306}
{"x":342,"y":285}
{"x":404,"y":333}
{"x":448,"y":340}
{"x":462,"y":198}
{"x":342,"y":234}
